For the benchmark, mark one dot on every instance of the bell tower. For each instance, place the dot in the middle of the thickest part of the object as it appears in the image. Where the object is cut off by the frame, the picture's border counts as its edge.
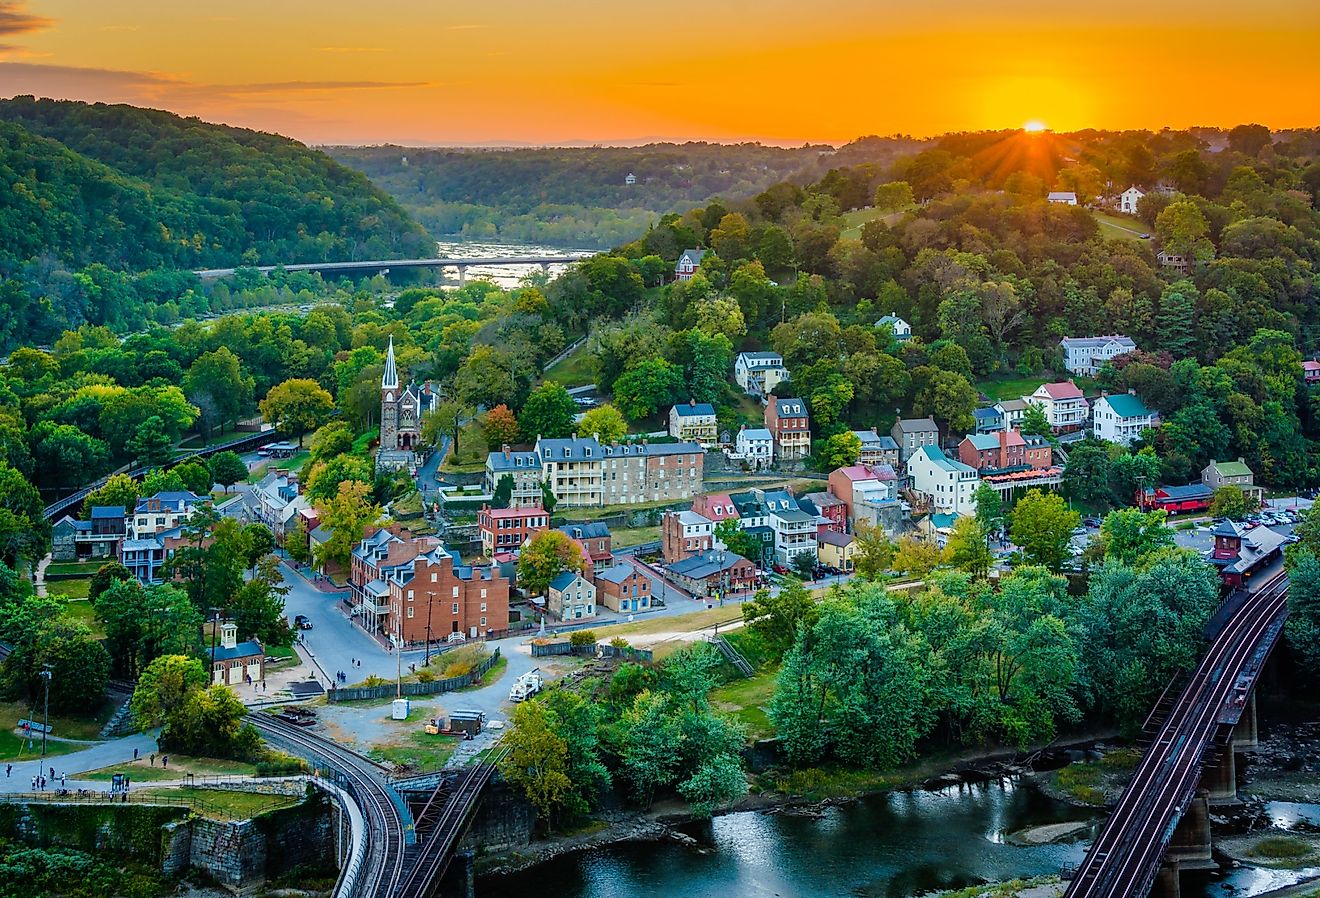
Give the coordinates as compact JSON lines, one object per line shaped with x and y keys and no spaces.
{"x":389,"y":402}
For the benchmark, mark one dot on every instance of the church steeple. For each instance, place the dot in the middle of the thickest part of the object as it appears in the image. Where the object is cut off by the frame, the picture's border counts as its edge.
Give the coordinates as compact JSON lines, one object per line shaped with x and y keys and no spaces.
{"x":390,"y":379}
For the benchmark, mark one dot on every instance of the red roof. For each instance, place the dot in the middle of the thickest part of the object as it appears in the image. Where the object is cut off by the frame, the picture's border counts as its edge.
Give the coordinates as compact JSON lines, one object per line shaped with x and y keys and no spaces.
{"x":520,"y":512}
{"x":1065,"y":390}
{"x":1311,"y":365}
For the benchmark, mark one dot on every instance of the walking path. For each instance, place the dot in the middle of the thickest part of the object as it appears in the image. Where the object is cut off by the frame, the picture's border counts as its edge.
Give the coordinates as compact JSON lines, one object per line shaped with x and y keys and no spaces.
{"x":101,"y":754}
{"x":39,"y":575}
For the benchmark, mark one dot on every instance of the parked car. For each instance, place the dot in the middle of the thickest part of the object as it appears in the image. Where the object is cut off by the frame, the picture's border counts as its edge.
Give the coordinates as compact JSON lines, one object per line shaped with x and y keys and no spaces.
{"x":302,"y":622}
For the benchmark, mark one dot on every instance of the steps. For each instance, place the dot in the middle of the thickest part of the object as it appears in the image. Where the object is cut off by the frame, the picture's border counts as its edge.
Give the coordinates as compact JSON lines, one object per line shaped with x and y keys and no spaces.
{"x":731,"y":655}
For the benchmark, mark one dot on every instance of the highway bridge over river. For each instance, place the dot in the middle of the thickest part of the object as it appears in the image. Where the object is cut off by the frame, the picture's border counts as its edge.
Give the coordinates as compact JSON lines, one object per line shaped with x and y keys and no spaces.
{"x":386,"y":265}
{"x":1161,"y":823}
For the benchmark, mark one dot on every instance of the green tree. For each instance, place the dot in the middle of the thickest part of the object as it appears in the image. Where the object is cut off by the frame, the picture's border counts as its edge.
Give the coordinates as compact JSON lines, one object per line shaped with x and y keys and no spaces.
{"x":228,"y":469}
{"x":1129,"y":534}
{"x":893,"y":196}
{"x":875,"y":551}
{"x":296,"y":543}
{"x":347,"y":516}
{"x":1231,"y":502}
{"x":1086,"y":474}
{"x":120,"y":490}
{"x":967,"y":548}
{"x":536,"y":760}
{"x":326,"y":477}
{"x":1174,"y":322}
{"x":163,"y":688}
{"x":1042,"y":525}
{"x":65,"y":456}
{"x":647,"y":388}
{"x":840,"y":450}
{"x":547,"y":555}
{"x":445,"y":421}
{"x":776,"y":617}
{"x":151,"y":445}
{"x":946,"y":396}
{"x":604,"y":422}
{"x":737,"y":540}
{"x":503,"y":494}
{"x":548,"y":412}
{"x":196,"y":476}
{"x":107,"y":575}
{"x":218,"y":386}
{"x":296,"y":406}
{"x":989,"y":508}
{"x":1182,"y":230}
{"x":24,"y":530}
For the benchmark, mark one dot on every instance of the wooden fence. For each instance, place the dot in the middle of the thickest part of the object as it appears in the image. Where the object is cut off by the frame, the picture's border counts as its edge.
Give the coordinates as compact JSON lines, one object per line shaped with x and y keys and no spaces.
{"x":435,"y":687}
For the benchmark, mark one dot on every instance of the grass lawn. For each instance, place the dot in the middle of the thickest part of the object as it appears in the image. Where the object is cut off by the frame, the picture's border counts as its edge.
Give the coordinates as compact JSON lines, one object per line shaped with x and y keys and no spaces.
{"x":677,"y":623}
{"x":282,"y":651}
{"x":86,"y":727}
{"x":491,"y":676}
{"x":853,"y":221}
{"x":1120,"y":227}
{"x":73,"y":589}
{"x":576,"y":370}
{"x":15,"y":748}
{"x":1008,"y":387}
{"x":293,"y":463}
{"x":746,"y":700}
{"x":225,"y":802}
{"x":180,"y":766}
{"x":77,"y":568}
{"x":81,"y":610}
{"x":419,"y":751}
{"x":636,"y":536}
{"x":471,"y":455}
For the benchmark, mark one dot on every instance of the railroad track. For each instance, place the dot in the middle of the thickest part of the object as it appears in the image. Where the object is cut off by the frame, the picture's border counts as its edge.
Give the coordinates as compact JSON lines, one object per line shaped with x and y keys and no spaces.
{"x":1124,"y":860}
{"x":383,"y":868}
{"x":436,"y":850}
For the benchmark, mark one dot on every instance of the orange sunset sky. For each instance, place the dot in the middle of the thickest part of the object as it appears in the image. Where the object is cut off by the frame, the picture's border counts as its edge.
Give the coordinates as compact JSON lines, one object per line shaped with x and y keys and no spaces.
{"x":556,"y":71}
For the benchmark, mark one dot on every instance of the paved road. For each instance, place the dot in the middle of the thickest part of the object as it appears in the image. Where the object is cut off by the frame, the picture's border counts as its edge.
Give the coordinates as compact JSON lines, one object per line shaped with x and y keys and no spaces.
{"x":94,"y":757}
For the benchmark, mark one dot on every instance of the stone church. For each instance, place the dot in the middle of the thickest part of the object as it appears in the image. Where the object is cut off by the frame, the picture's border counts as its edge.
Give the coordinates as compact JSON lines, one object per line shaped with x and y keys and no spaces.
{"x":401,"y":411}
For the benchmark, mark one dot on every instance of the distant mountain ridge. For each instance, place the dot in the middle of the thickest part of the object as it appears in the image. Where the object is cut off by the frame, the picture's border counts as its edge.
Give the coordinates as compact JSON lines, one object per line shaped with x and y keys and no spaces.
{"x":140,"y":188}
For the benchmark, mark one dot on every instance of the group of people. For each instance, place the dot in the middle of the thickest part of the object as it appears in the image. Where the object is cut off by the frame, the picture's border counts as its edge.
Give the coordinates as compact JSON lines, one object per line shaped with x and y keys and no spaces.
{"x":40,"y":781}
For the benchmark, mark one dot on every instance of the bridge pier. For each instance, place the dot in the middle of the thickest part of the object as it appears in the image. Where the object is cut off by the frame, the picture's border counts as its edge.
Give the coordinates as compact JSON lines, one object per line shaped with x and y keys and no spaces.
{"x":1220,"y":780}
{"x":1246,"y":735}
{"x":545,"y":267}
{"x":1190,"y":847}
{"x":1167,"y":884}
{"x":462,"y":275}
{"x":460,"y":880}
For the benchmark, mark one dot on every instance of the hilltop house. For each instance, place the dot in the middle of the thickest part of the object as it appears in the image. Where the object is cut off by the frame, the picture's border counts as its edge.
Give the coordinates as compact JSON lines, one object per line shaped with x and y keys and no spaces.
{"x":912,"y":433}
{"x":1311,"y":371}
{"x":630,"y":179}
{"x":1063,"y":404}
{"x":688,"y":263}
{"x":902,"y":330}
{"x":1011,"y":412}
{"x":1063,"y":197}
{"x":755,"y":445}
{"x":1120,"y":418}
{"x":1128,"y":199}
{"x":1084,"y":356}
{"x":694,"y":422}
{"x":1173,"y":261}
{"x":877,"y":448}
{"x":946,"y":485}
{"x":758,"y":373}
{"x":789,"y":424}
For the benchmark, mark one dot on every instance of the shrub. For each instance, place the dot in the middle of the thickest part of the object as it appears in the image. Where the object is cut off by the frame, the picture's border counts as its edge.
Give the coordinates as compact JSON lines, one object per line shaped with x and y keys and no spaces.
{"x":1281,"y":847}
{"x":425,"y":676}
{"x":620,"y":643}
{"x":582,"y":637}
{"x":374,"y":680}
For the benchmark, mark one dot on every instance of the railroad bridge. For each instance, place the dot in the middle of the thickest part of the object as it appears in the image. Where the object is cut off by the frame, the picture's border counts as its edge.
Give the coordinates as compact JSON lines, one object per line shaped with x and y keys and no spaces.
{"x":1161,"y":823}
{"x":402,"y":848}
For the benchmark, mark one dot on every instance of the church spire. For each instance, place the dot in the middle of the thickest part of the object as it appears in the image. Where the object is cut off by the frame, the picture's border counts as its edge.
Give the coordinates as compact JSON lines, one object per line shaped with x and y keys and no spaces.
{"x":390,"y":380}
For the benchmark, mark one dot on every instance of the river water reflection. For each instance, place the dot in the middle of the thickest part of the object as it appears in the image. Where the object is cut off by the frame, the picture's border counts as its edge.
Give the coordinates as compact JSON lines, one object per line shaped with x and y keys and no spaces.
{"x":885,"y":846}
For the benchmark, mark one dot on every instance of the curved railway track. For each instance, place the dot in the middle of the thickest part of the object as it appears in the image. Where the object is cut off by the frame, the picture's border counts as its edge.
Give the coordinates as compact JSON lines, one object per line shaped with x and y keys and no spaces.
{"x":1125,"y":858}
{"x":383,"y":868}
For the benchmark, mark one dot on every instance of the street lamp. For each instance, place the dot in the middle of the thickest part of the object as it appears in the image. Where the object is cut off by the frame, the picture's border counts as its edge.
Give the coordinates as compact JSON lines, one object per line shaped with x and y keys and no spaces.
{"x":45,"y":713}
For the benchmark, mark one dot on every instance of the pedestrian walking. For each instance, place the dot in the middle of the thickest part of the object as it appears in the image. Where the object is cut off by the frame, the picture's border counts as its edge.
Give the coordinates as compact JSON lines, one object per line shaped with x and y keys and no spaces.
{"x":164,"y":761}
{"x":61,"y":781}
{"x":153,"y":759}
{"x":9,"y":768}
{"x":135,"y":754}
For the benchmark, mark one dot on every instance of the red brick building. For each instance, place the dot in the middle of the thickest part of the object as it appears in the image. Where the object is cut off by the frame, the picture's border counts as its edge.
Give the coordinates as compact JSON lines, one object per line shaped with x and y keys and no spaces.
{"x":1005,"y":449}
{"x":716,"y":506}
{"x":684,"y":534}
{"x":595,"y":541}
{"x":832,"y":508}
{"x":623,"y":588}
{"x":508,"y":529}
{"x":436,"y":596}
{"x":790,"y":424}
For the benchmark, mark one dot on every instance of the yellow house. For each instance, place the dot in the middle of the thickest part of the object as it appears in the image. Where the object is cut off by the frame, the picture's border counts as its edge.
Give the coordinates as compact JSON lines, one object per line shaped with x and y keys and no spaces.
{"x":836,"y":549}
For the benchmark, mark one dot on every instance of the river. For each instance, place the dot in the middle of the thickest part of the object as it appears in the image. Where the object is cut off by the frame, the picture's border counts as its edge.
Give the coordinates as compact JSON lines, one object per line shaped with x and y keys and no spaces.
{"x":506,"y":276}
{"x":886,"y":846}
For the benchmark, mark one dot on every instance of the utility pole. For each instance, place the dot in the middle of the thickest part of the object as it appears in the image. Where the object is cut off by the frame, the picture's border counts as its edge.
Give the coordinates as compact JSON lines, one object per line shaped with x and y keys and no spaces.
{"x":215,"y":625}
{"x":45,"y":713}
{"x":398,"y":654}
{"x":430,"y":603}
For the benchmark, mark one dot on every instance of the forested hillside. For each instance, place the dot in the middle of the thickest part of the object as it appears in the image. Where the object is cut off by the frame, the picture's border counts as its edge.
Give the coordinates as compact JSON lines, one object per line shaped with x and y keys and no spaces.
{"x":578,"y":197}
{"x":94,"y":193}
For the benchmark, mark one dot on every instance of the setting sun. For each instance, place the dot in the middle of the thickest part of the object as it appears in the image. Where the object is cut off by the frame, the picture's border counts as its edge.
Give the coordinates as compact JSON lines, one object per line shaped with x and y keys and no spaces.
{"x":1033,"y":127}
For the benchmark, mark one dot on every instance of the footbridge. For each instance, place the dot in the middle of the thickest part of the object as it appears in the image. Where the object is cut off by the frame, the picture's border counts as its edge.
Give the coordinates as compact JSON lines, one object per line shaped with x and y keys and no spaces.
{"x":1161,"y":823}
{"x":382,"y":266}
{"x":398,"y":854}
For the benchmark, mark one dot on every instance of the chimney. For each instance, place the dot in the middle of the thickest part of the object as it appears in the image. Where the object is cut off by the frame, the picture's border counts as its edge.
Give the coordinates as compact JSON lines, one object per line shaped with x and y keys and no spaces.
{"x":692,"y":403}
{"x":228,"y":634}
{"x":874,"y":431}
{"x":507,"y":450}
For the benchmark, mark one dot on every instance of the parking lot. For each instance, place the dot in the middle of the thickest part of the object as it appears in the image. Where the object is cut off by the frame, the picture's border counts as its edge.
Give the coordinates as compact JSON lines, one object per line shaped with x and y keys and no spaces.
{"x":1279,"y":514}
